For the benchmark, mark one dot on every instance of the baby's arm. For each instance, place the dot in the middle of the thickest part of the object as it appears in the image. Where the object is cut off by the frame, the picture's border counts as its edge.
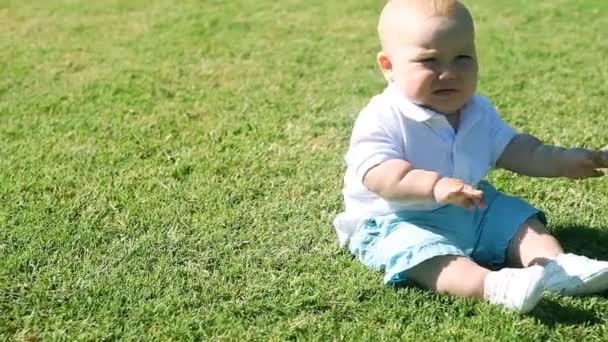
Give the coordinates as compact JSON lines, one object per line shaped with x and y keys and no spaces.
{"x":527,"y":155}
{"x":397,"y":180}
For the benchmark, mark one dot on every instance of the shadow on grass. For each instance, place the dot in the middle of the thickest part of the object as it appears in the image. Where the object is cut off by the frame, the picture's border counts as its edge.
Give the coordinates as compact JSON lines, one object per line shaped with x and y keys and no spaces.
{"x":590,"y":242}
{"x":551,"y":313}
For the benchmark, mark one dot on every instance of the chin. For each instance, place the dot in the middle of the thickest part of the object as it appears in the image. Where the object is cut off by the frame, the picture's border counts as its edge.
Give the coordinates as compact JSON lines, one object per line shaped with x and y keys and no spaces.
{"x":446,"y":110}
{"x":449,"y":108}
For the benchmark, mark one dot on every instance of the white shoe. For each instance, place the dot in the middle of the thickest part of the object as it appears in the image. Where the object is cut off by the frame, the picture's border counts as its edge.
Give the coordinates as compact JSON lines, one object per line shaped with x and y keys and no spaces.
{"x":517,"y":289}
{"x":576,"y":275}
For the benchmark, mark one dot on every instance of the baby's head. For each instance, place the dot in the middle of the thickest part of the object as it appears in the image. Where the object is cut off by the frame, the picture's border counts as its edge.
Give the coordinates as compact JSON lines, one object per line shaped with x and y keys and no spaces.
{"x":428,"y":51}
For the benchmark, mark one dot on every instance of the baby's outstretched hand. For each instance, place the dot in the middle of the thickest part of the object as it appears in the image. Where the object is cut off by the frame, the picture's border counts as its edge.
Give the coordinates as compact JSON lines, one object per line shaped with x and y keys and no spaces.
{"x":456,"y":192}
{"x":583,"y":163}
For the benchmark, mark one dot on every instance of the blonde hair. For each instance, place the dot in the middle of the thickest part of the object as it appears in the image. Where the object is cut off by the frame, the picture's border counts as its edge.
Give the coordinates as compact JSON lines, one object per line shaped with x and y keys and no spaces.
{"x":432,"y":7}
{"x":393,"y":9}
{"x":443,"y":7}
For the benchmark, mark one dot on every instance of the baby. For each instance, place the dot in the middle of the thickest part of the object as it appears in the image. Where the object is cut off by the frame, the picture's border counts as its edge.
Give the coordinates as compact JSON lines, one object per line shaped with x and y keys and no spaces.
{"x":416,"y":204}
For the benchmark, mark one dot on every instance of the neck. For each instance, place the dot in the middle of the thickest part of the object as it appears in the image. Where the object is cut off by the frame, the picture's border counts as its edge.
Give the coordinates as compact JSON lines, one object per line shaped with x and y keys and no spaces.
{"x":453,"y":119}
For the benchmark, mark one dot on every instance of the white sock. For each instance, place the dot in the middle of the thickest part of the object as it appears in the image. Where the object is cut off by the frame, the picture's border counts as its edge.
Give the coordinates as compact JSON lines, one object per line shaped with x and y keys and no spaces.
{"x":516,"y":289}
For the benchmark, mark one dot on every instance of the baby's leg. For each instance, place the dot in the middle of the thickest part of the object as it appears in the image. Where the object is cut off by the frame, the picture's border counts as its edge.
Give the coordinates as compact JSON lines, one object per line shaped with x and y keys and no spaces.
{"x":568,"y":274}
{"x":532,"y":245}
{"x":515,"y":289}
{"x":451,"y":274}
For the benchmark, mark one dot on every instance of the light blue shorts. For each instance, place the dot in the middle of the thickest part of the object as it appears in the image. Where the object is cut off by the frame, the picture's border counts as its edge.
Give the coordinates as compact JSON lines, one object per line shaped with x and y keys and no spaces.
{"x":397,"y":242}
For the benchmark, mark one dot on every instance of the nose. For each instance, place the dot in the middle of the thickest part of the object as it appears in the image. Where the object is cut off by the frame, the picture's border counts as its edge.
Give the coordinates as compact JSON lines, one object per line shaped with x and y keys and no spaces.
{"x":446,"y":73}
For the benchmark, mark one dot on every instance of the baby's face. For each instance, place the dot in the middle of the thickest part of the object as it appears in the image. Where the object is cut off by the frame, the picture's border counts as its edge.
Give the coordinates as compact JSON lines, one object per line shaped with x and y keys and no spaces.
{"x":435,"y":64}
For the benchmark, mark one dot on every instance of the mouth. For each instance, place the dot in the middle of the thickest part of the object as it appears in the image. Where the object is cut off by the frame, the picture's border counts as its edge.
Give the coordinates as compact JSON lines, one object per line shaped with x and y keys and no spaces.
{"x":445,"y":92}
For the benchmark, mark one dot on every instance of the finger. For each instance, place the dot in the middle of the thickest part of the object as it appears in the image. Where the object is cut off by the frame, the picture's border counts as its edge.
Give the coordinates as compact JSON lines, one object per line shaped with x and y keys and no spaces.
{"x":597,"y":173}
{"x":596,"y":157}
{"x":604,"y":158}
{"x":599,"y":159}
{"x":455,"y":191}
{"x":472,"y":192}
{"x":468,"y":205}
{"x":588,"y":173}
{"x":479,"y":203}
{"x":458,"y":187}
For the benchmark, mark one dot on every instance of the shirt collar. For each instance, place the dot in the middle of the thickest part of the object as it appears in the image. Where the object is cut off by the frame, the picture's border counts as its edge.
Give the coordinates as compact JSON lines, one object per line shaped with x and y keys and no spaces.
{"x":406,"y":107}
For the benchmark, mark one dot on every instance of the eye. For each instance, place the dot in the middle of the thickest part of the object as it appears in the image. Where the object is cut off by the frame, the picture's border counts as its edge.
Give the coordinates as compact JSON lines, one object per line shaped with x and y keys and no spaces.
{"x":427,"y":60}
{"x":463,"y":57}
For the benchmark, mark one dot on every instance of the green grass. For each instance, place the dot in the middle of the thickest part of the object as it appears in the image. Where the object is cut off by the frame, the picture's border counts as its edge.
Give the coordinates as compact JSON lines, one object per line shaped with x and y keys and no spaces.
{"x":170,"y":170}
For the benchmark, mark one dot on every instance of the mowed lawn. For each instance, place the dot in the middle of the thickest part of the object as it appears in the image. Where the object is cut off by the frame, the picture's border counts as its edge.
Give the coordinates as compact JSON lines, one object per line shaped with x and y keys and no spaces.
{"x":169,"y":170}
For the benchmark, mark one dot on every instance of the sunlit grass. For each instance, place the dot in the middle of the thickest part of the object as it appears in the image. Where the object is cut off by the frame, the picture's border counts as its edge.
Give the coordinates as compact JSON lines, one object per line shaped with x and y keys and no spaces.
{"x":170,"y":170}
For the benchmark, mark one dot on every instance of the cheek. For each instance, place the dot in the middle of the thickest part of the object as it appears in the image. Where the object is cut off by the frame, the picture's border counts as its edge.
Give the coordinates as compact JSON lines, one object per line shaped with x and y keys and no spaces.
{"x":468,"y":72}
{"x":421,"y":84}
{"x":471,"y":81}
{"x":415,"y":82}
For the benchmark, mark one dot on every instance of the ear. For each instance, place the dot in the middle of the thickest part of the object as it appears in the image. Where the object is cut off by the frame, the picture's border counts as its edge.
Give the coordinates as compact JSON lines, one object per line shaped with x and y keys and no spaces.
{"x":385,"y":65}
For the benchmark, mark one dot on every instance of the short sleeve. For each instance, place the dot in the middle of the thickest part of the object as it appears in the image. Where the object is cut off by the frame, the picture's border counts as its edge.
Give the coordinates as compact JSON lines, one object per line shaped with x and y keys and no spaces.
{"x":376,"y":138}
{"x":501,"y":133}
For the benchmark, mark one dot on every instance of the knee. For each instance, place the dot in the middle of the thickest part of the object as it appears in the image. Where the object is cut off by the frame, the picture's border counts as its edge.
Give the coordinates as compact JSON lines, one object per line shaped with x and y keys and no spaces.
{"x":533,"y":244}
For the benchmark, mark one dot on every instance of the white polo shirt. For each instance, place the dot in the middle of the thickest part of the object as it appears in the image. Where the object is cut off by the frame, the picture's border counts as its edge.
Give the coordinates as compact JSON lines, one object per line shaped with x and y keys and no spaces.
{"x":391,"y":127}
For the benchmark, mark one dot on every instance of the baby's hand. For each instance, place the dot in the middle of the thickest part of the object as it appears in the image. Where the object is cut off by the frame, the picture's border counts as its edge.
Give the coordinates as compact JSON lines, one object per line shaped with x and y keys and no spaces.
{"x":583,"y":163}
{"x":456,"y":192}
